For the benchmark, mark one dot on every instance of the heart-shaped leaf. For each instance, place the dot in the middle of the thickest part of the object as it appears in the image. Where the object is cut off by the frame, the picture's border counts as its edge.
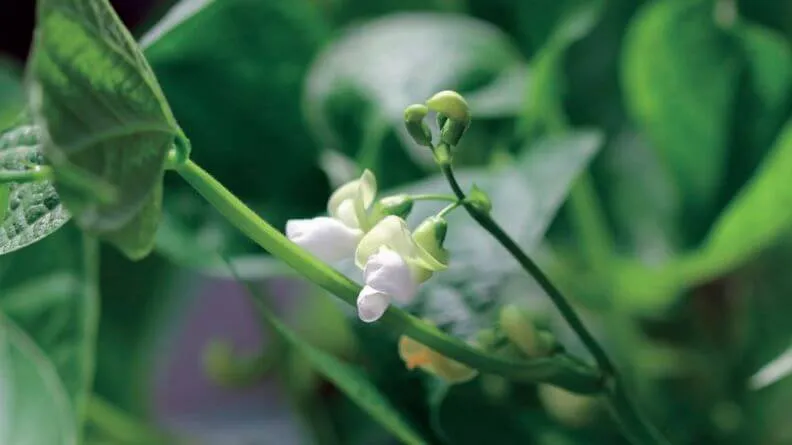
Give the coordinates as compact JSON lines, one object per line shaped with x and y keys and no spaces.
{"x":34,"y":408}
{"x":102,"y":112}
{"x":34,"y":208}
{"x":680,"y":72}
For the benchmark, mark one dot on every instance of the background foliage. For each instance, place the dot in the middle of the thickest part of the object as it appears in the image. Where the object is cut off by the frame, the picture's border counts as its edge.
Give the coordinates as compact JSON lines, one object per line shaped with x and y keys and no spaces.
{"x":640,"y":149}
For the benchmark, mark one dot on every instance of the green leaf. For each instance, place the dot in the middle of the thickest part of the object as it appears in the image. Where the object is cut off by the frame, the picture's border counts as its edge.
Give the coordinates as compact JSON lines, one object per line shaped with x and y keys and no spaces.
{"x":764,"y":99}
{"x":102,"y":111}
{"x":57,"y":304}
{"x":12,"y":95}
{"x":679,"y":73}
{"x":525,"y":198}
{"x":358,"y":87}
{"x":34,"y":209}
{"x":347,"y":378}
{"x":34,"y":408}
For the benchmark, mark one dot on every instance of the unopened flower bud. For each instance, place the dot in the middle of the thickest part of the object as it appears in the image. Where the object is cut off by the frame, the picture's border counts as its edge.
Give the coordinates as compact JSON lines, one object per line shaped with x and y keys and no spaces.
{"x":417,"y":355}
{"x":414,"y":122}
{"x":572,"y":409}
{"x":522,"y":332}
{"x":479,"y":199}
{"x":429,"y":236}
{"x":396,"y":205}
{"x":453,"y":107}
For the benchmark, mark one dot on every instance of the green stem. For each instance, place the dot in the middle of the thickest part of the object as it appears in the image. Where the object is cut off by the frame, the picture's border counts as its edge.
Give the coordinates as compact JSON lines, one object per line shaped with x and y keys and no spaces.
{"x":375,"y":128}
{"x":434,"y":197}
{"x":559,"y":369}
{"x":489,"y":224}
{"x":448,"y":209}
{"x":122,"y":427}
{"x":634,"y":427}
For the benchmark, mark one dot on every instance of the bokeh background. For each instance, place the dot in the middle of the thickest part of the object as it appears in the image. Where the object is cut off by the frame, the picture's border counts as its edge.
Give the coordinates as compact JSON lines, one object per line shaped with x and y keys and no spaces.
{"x":655,"y":113}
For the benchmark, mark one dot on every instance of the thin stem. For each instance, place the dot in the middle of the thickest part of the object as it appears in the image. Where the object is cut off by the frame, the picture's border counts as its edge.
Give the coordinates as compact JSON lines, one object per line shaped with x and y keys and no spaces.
{"x":633,"y":425}
{"x":434,"y":197}
{"x":448,"y":209}
{"x":560,"y":369}
{"x":489,"y":224}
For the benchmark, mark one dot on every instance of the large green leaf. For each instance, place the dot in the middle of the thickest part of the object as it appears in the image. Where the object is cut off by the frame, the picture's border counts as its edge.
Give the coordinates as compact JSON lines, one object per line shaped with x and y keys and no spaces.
{"x":34,"y":409}
{"x":680,"y":72}
{"x":102,"y":112}
{"x":34,"y":208}
{"x":351,"y":381}
{"x":358,"y":87}
{"x":50,"y":290}
{"x":12,"y":95}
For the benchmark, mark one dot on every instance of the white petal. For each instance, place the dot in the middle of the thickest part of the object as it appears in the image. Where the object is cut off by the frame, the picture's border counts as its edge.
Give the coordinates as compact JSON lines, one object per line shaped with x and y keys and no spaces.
{"x":371,"y":304}
{"x":361,"y":192}
{"x":346,"y":213}
{"x":327,"y":238}
{"x":389,"y":273}
{"x":392,"y":233}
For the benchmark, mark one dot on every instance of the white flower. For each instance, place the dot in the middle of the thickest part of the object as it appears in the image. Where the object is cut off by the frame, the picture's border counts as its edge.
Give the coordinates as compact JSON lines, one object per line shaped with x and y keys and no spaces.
{"x":392,"y":263}
{"x":335,"y":237}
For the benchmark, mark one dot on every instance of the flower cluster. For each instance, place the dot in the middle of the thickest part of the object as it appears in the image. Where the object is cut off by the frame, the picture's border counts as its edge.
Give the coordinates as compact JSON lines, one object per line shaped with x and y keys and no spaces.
{"x":394,"y":261}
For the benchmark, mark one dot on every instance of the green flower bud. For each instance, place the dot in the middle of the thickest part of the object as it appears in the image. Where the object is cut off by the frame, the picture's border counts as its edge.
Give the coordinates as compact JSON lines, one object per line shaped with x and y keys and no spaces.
{"x":455,"y":115}
{"x":522,"y":332}
{"x":451,"y":104}
{"x":414,"y":122}
{"x":480,"y":200}
{"x":429,"y":236}
{"x":396,"y":205}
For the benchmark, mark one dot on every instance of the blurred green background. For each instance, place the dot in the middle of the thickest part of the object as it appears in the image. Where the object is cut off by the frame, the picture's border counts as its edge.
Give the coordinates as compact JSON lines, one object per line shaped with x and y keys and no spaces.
{"x":641,"y":150}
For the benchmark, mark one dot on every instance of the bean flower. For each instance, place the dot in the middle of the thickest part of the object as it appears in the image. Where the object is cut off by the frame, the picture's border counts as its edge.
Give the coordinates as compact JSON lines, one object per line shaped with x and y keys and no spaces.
{"x":335,"y":237}
{"x":394,"y":263}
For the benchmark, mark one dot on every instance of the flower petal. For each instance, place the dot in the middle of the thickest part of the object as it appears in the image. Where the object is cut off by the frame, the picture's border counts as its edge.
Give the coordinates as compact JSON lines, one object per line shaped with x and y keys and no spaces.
{"x":346,"y":214}
{"x":371,"y":304}
{"x":392,"y":233}
{"x":387,"y":272}
{"x":327,"y":238}
{"x":360,"y":192}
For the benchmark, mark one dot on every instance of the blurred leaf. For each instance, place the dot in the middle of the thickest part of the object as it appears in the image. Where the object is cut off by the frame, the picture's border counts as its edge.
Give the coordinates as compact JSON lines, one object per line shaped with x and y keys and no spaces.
{"x":12,"y":95}
{"x":34,"y":209}
{"x":763,"y":103}
{"x":462,"y":414}
{"x":348,"y":379}
{"x":358,"y":87}
{"x":34,"y":408}
{"x":103,"y":112}
{"x":525,"y":198}
{"x":680,"y":71}
{"x":57,"y":304}
{"x":545,"y":98}
{"x":249,"y":127}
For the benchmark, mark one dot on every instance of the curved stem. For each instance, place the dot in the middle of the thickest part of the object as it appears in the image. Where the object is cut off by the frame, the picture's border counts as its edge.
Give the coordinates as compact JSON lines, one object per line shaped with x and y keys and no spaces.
{"x":632,"y":424}
{"x":559,"y":369}
{"x":448,"y":209}
{"x":489,"y":224}
{"x":434,"y":197}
